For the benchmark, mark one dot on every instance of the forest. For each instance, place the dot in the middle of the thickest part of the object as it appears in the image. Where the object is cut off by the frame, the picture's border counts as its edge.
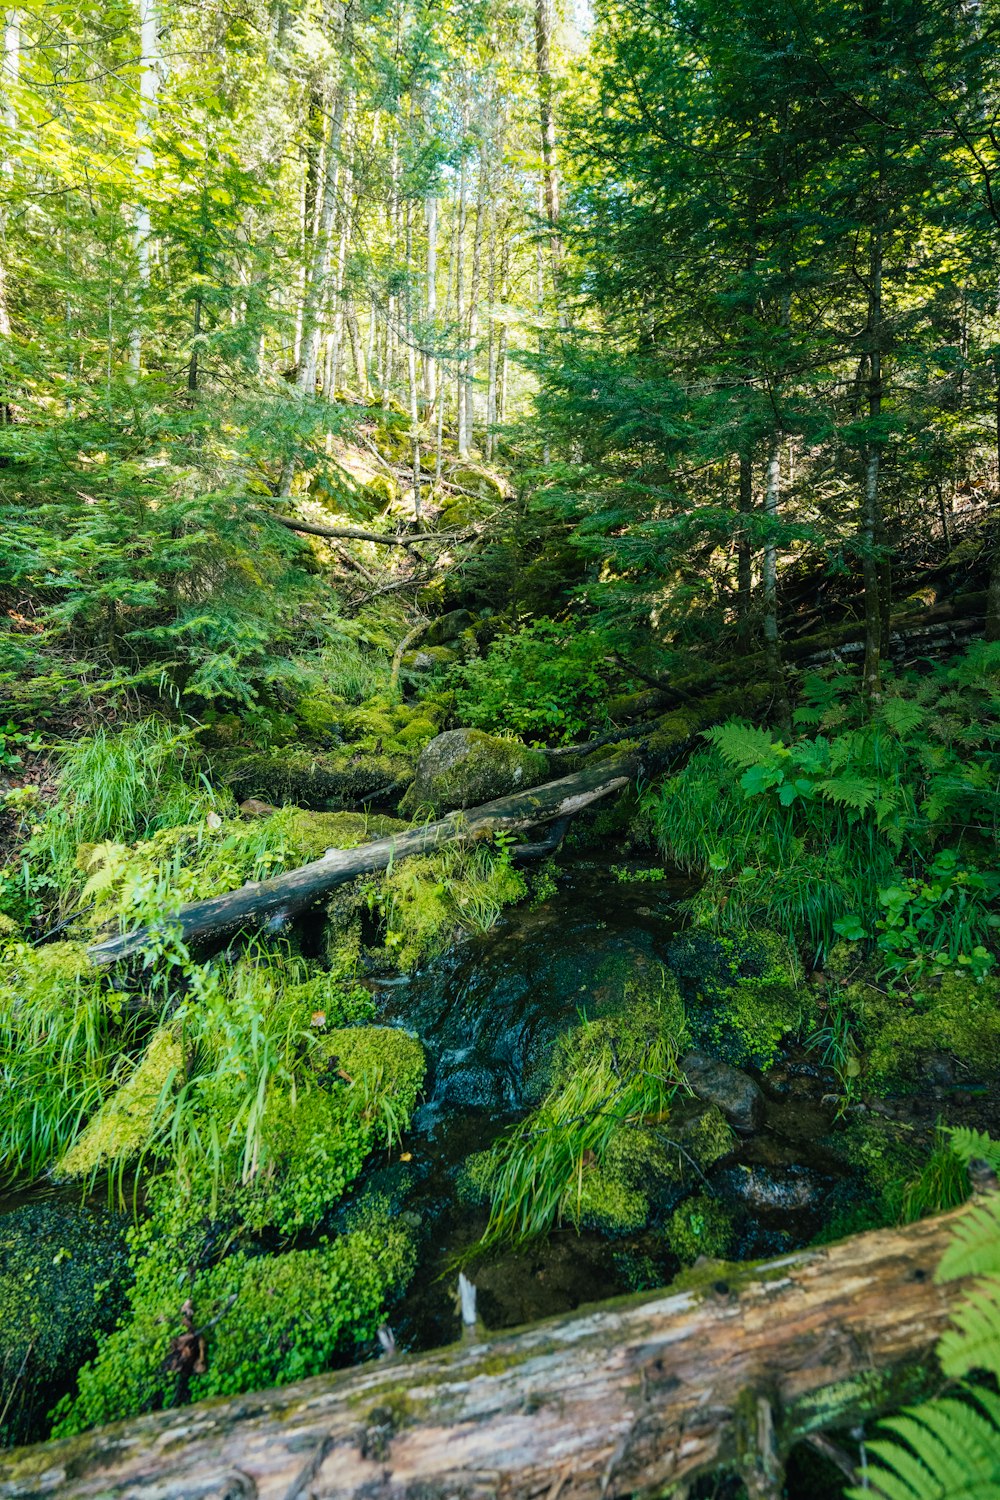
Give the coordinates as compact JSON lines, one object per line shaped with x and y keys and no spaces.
{"x":500,"y":748}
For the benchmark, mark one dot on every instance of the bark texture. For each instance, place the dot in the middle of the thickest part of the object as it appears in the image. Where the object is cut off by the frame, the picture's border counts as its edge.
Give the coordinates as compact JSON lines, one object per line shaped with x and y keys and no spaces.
{"x":626,"y":1398}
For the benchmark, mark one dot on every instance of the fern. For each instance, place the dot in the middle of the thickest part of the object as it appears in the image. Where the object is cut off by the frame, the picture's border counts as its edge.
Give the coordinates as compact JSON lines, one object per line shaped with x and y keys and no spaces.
{"x":742,"y":745}
{"x":950,"y":1448}
{"x":858,"y":792}
{"x":974,"y":1342}
{"x":975,"y":1248}
{"x":952,"y":1453}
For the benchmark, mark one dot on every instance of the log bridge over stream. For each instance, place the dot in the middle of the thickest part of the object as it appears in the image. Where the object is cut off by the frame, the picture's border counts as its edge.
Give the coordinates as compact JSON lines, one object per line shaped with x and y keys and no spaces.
{"x":638,"y":1396}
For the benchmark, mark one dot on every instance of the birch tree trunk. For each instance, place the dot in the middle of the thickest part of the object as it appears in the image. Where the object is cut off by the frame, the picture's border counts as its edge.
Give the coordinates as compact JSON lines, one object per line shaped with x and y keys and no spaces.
{"x":411,"y":364}
{"x":336,"y":337}
{"x":459,"y":294}
{"x":149,"y":87}
{"x":550,"y":170}
{"x":316,"y":282}
{"x":472,"y":325}
{"x":11,"y":78}
{"x":430,"y":307}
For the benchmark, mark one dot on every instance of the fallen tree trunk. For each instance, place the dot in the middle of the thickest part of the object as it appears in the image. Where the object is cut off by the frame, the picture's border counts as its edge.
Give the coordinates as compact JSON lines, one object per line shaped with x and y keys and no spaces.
{"x":625,"y":1398}
{"x":284,"y":895}
{"x":358,"y":534}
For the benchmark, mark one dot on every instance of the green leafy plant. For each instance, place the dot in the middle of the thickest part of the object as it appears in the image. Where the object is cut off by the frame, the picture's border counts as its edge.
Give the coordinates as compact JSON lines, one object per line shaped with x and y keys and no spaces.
{"x":830,"y":836}
{"x":951,"y":1446}
{"x":546,"y":680}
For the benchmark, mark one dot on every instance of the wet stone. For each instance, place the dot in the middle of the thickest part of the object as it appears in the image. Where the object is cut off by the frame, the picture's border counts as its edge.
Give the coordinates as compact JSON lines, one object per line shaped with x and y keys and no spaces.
{"x":734,"y":1092}
{"x":763,"y":1190}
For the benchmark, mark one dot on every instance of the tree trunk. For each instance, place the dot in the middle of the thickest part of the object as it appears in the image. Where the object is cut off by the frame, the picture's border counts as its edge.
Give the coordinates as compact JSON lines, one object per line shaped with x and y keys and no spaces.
{"x":459,"y":294}
{"x":430,"y":308}
{"x":472,"y":325}
{"x":149,"y":87}
{"x":301,"y":888}
{"x":744,"y":551}
{"x":635,"y":1397}
{"x":11,"y":78}
{"x":316,"y":283}
{"x":411,"y":365}
{"x":993,"y":534}
{"x":550,"y":173}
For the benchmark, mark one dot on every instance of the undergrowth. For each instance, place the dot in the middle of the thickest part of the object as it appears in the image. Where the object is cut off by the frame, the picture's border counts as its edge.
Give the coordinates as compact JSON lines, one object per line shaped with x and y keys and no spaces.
{"x":831,"y":835}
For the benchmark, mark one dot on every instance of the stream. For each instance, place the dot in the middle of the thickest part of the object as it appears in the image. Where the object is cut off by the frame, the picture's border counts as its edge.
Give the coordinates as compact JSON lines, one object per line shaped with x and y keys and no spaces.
{"x":488,"y":1014}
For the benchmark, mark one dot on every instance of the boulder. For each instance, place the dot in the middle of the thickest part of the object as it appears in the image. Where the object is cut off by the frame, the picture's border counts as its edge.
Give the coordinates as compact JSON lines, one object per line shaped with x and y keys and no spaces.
{"x":465,"y":768}
{"x":735,"y":1093}
{"x":449,"y":627}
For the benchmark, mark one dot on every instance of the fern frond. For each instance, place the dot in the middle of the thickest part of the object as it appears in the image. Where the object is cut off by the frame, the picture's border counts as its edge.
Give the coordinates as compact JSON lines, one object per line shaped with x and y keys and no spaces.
{"x":974,"y":1342}
{"x":975,"y":1145}
{"x":901,"y":715}
{"x":742,"y":745}
{"x":858,"y":792}
{"x":953,"y":1453}
{"x":975,"y":1246}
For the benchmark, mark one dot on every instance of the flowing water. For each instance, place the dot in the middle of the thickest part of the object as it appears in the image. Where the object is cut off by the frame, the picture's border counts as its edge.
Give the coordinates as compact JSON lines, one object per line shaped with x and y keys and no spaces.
{"x":488,"y":1015}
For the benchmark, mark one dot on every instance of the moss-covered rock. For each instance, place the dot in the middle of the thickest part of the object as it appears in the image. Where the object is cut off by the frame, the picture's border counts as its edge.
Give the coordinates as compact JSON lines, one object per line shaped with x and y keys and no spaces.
{"x":465,"y":767}
{"x":427,"y":659}
{"x":743,"y":993}
{"x":311,"y":778}
{"x":958,"y":1015}
{"x":449,"y":627}
{"x":700,"y":1226}
{"x":605,"y":1203}
{"x":427,"y":902}
{"x":123,"y":1124}
{"x":264,"y":1319}
{"x":64,"y":1277}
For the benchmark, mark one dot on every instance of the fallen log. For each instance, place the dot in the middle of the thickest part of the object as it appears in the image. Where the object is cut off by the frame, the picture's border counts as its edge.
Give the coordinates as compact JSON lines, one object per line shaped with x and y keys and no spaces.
{"x":625,"y":1398}
{"x":358,"y":533}
{"x":284,"y":895}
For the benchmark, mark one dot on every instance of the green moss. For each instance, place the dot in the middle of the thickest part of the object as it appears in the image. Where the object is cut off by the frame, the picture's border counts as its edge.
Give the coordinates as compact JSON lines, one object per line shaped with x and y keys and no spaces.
{"x":700,"y":1226}
{"x":122,"y":1126}
{"x":957,"y":1016}
{"x":310,"y":778}
{"x":743,"y":993}
{"x":428,"y":901}
{"x":380,"y":491}
{"x":312,"y":833}
{"x":603,"y":1202}
{"x":265,"y":1320}
{"x":63,"y":1282}
{"x":386,"y":1065}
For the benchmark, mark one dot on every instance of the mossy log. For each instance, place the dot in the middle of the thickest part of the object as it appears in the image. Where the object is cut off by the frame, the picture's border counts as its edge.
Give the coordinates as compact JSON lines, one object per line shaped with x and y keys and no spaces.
{"x":934,"y":630}
{"x":284,"y":895}
{"x":633,"y":1397}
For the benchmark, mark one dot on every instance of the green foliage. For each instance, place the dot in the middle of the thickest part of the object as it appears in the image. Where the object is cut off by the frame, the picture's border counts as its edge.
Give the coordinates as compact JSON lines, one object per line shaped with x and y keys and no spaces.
{"x":116,"y":787}
{"x":608,"y":1075}
{"x":426,"y":902}
{"x":258,"y":1320}
{"x":951,"y":1446}
{"x":63,"y":1282}
{"x":546,"y":681}
{"x":61,"y":1036}
{"x":829,"y":836}
{"x":743,"y":993}
{"x":700,"y":1226}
